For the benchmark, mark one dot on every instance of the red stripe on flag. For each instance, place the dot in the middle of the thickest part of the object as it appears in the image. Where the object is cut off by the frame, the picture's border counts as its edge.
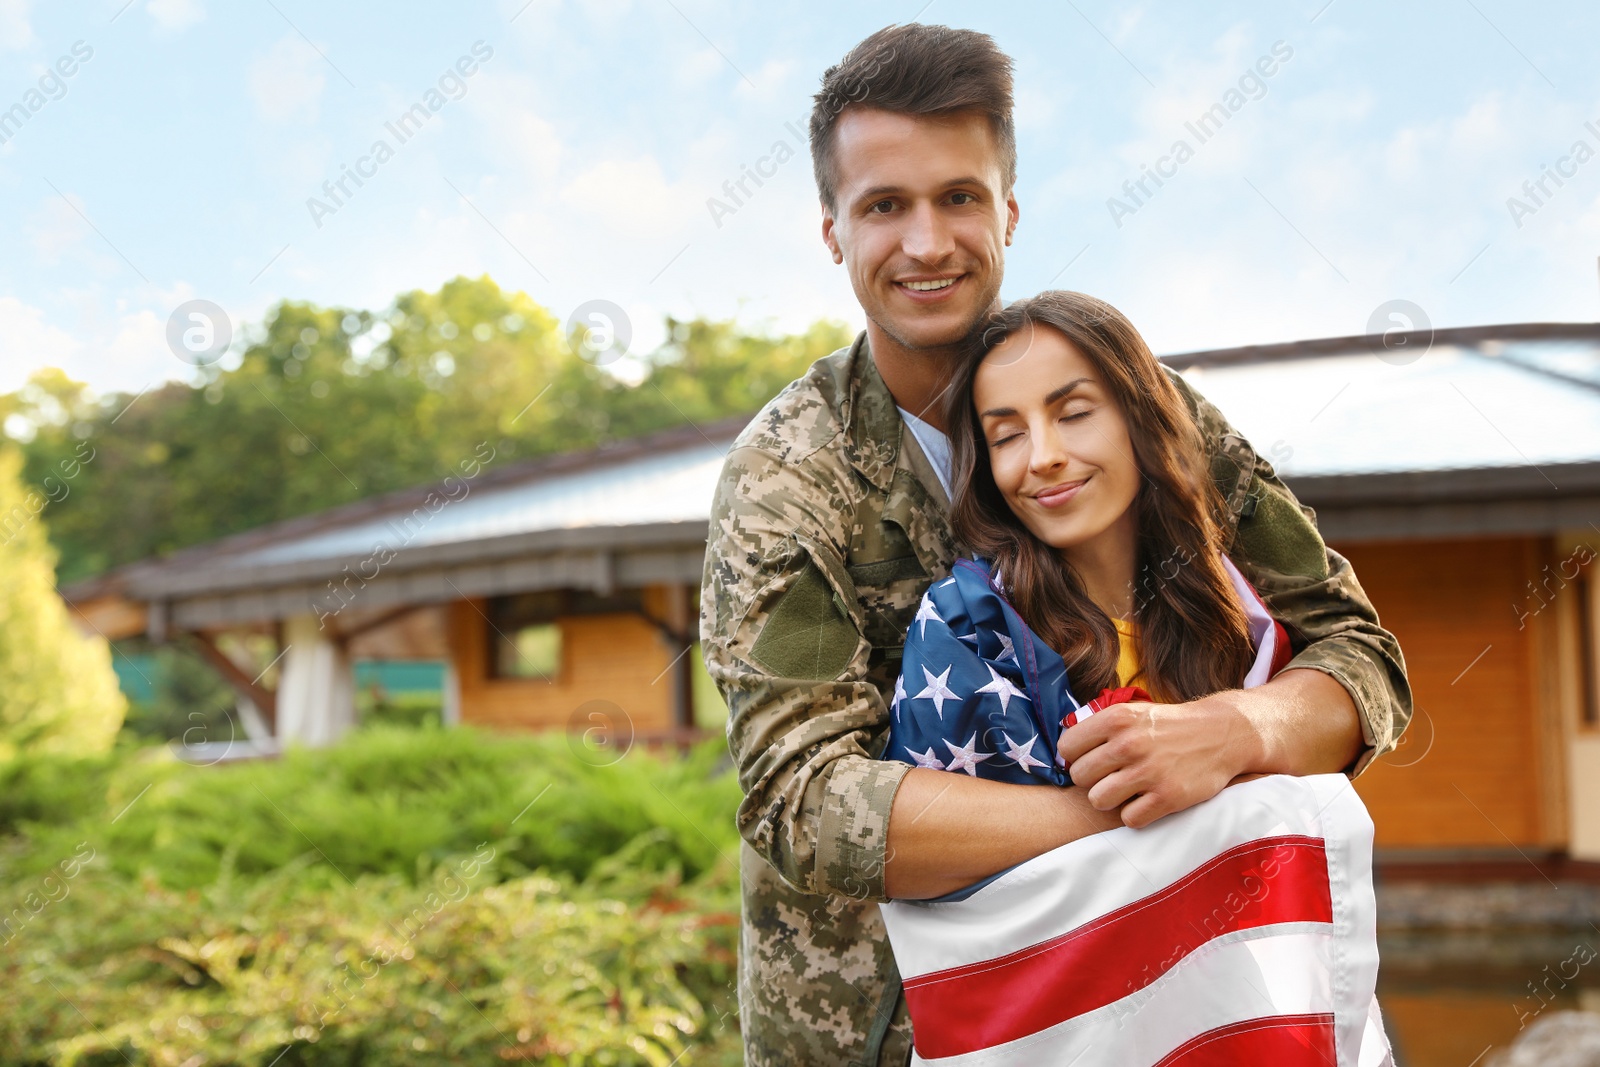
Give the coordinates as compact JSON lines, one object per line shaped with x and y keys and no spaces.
{"x":980,"y":1005}
{"x":1281,"y":1040}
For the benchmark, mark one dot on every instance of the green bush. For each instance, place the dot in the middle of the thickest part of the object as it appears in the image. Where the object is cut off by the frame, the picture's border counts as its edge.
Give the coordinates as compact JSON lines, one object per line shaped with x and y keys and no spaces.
{"x":383,"y":802}
{"x":404,"y":897}
{"x":58,"y":692}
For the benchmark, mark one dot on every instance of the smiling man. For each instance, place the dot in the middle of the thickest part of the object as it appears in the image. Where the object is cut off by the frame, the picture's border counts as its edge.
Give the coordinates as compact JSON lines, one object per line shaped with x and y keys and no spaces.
{"x":829,"y":523}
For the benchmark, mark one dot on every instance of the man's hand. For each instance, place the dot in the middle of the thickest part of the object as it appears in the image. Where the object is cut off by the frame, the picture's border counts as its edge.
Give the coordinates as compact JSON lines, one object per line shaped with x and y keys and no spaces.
{"x":1157,"y":759}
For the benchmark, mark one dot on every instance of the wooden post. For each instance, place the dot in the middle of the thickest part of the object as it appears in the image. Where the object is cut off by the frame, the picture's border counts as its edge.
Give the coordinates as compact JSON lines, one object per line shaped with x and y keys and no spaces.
{"x":265,"y":700}
{"x":681,"y":620}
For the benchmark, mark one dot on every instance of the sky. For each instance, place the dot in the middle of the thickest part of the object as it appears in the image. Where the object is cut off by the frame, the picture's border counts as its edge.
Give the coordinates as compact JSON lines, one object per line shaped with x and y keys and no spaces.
{"x":589,"y":154}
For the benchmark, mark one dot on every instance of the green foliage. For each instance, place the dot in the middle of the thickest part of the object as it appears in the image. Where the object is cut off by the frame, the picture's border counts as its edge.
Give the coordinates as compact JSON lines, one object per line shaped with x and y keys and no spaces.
{"x":187,"y":699}
{"x":57,"y":689}
{"x":374,"y":902}
{"x":382,"y":802}
{"x":330,"y":405}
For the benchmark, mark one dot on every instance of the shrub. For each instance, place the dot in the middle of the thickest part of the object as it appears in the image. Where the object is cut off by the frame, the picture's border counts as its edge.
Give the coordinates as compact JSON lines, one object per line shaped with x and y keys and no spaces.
{"x":58,"y":692}
{"x":384,"y":801}
{"x":405,"y":896}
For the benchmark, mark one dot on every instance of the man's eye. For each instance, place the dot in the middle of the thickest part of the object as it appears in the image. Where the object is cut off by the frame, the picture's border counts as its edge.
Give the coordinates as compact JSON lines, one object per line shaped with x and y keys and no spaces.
{"x":882,"y":207}
{"x":963,"y":199}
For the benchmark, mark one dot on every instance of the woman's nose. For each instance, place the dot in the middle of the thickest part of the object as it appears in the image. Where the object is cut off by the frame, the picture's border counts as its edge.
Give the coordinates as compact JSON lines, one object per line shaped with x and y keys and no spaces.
{"x":1047,"y":455}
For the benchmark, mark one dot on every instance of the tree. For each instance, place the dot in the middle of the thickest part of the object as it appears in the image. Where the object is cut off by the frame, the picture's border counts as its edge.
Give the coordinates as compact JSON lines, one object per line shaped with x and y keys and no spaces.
{"x":330,"y":405}
{"x":57,"y":689}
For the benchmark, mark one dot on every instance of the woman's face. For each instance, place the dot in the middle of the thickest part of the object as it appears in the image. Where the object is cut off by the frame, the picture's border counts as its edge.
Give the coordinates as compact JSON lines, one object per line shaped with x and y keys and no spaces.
{"x":1057,"y":438}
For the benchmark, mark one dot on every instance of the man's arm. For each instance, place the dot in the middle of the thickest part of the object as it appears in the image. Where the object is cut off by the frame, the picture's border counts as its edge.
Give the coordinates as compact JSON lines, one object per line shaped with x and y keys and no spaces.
{"x":781,"y":632}
{"x":1341,"y":702}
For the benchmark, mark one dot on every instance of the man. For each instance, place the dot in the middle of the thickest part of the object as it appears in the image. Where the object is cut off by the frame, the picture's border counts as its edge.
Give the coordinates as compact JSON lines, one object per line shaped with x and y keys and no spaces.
{"x":828,"y":525}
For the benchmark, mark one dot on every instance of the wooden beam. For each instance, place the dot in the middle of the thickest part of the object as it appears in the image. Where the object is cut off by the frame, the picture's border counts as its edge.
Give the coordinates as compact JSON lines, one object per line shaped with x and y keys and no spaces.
{"x":343,"y":635}
{"x":265,"y":700}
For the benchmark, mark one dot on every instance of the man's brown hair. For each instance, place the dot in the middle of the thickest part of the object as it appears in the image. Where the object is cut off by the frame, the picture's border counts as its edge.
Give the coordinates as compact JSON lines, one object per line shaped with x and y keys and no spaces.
{"x":916,"y":70}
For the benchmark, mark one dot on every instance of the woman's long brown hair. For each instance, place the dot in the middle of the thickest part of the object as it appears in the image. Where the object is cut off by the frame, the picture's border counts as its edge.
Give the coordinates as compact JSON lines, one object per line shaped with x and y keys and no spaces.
{"x":1192,"y":636}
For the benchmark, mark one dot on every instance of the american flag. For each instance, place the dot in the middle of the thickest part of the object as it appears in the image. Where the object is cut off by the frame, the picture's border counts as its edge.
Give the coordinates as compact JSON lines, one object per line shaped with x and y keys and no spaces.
{"x":980,"y":692}
{"x":1242,"y":930}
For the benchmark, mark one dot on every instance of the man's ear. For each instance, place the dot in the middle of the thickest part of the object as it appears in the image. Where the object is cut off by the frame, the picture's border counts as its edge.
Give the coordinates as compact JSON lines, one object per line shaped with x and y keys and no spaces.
{"x":829,"y":236}
{"x":1011,"y":215}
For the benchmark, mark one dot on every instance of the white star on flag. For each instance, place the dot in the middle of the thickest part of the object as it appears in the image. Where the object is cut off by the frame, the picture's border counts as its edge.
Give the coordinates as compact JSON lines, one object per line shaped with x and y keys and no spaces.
{"x":925,"y":611}
{"x":948,"y":581}
{"x":973,"y":637}
{"x":927,"y":759}
{"x":1022,"y":755}
{"x":899,"y":695}
{"x":966,"y":758}
{"x":1002,"y":687}
{"x":937,"y":690}
{"x":1006,"y":649}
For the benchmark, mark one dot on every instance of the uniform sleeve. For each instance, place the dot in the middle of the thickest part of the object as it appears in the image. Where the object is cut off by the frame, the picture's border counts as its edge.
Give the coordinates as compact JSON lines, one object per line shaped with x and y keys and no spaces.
{"x":1307,"y":586}
{"x":781,"y":631}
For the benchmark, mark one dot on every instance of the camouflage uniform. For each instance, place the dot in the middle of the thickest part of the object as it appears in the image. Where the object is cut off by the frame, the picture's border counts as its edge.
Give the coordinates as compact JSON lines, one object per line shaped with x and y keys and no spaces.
{"x":828,"y":525}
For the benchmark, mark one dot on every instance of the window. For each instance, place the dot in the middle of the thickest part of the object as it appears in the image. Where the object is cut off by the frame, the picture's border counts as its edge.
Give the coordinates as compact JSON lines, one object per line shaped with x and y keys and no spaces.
{"x":524,"y":629}
{"x":529,"y":652}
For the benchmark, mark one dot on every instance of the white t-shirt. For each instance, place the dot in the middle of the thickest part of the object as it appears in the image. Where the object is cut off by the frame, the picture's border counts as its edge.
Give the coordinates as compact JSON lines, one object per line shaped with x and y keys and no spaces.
{"x":935,"y":445}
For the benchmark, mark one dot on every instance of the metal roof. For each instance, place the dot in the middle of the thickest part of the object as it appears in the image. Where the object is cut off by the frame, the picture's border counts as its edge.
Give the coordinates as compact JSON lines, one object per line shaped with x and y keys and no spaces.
{"x":674,"y":485}
{"x":1495,"y":404}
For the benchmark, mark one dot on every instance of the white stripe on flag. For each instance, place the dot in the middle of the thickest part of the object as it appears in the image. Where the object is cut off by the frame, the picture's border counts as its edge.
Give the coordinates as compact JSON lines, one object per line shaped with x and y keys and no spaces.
{"x":1017,"y":965}
{"x":1226,"y":981}
{"x":1263,"y":634}
{"x":1080,"y":881}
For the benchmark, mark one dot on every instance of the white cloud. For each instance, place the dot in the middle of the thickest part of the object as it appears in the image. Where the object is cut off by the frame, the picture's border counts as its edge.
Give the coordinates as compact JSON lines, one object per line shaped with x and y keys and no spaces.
{"x":175,"y":15}
{"x":288,"y":81}
{"x":16,"y":32}
{"x":30,"y":343}
{"x":632,"y":197}
{"x":507,"y":109}
{"x":53,"y":228}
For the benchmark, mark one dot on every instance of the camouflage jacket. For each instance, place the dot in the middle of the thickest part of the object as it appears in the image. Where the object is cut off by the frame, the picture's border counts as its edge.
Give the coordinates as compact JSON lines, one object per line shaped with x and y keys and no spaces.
{"x":827,"y":526}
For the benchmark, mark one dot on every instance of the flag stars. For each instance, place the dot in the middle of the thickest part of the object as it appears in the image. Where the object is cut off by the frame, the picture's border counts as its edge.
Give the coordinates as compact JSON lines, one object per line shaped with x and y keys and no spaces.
{"x":1002,"y":687}
{"x":966,"y":757}
{"x":1022,"y":754}
{"x":937,"y":690}
{"x":927,"y":759}
{"x":926,"y":613}
{"x":899,"y":695}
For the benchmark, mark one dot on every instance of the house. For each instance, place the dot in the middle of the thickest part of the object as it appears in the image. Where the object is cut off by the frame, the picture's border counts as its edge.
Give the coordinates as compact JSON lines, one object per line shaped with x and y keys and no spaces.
{"x":1459,"y":470}
{"x":560,"y":592}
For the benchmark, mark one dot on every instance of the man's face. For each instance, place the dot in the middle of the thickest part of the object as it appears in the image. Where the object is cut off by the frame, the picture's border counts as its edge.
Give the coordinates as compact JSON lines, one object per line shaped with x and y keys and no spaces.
{"x":922,"y":221}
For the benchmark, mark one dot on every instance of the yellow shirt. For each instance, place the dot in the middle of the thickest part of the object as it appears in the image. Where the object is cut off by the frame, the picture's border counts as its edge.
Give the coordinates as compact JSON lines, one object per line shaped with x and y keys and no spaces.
{"x":1128,"y":669}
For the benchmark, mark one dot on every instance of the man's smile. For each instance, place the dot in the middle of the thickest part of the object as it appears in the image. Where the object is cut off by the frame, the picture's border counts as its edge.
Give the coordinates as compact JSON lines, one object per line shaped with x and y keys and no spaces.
{"x":930,"y":288}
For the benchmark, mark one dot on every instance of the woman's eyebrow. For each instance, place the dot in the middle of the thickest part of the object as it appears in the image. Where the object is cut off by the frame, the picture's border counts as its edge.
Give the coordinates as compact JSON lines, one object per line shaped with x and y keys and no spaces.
{"x":1055,"y":394}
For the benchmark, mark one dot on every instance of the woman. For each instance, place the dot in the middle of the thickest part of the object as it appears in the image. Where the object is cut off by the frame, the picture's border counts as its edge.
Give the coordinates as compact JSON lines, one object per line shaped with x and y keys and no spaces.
{"x":1239,"y":931}
{"x":1079,"y":480}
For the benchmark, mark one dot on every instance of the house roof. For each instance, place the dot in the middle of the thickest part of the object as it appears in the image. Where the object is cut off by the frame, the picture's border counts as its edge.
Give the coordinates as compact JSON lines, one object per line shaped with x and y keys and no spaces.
{"x":1483,"y":398}
{"x":1468,"y":431}
{"x":565,"y":519}
{"x":1462,"y":431}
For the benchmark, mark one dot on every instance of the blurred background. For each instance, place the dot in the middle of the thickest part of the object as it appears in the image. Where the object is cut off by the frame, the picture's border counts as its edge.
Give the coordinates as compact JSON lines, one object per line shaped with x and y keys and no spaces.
{"x":365,"y":372}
